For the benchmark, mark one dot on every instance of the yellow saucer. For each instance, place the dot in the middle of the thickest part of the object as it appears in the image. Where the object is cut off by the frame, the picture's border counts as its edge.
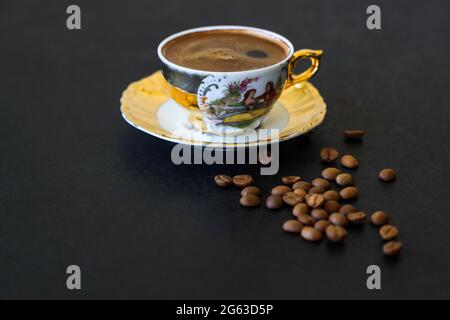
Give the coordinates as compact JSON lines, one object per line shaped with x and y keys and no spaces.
{"x":146,"y":106}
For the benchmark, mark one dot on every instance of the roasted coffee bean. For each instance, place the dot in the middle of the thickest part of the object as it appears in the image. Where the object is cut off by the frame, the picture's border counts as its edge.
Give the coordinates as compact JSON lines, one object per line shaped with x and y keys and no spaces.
{"x":251,"y":190}
{"x":349,"y":161}
{"x":250,"y":200}
{"x":318,"y":190}
{"x":346,"y":209}
{"x":321,"y":183}
{"x":330,"y":173}
{"x":290,"y":180}
{"x":331,"y":195}
{"x":302,"y":185}
{"x":387,"y":175}
{"x":301,"y":208}
{"x":311,"y":234}
{"x":293,"y":226}
{"x":356,"y":217}
{"x":353,"y":134}
{"x":280,"y":190}
{"x":344,"y":179}
{"x":306,"y":219}
{"x":329,"y":154}
{"x":379,"y":218}
{"x":242,"y":180}
{"x":338,"y":219}
{"x":388,"y":232}
{"x":292,"y":198}
{"x":300,"y":192}
{"x":223,"y":180}
{"x":392,"y":248}
{"x":274,"y":202}
{"x":319,"y":214}
{"x":335,"y":233}
{"x":322,"y":225}
{"x":314,"y":200}
{"x":349,"y":193}
{"x":331,"y":206}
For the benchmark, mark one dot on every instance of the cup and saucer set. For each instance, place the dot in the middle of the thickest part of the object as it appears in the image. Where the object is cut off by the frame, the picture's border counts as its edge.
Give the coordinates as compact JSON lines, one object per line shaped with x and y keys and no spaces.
{"x":226,"y":108}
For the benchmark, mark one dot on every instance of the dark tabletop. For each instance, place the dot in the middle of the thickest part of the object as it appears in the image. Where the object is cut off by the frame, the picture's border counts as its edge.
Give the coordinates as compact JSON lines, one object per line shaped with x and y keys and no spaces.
{"x":78,"y":185}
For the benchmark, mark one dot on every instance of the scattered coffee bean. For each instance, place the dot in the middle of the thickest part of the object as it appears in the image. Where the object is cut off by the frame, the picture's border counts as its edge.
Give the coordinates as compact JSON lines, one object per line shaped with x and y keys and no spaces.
{"x":356,"y":217}
{"x":318,"y":190}
{"x":292,"y":198}
{"x":321,"y":183}
{"x":319,"y":214}
{"x":251,"y":190}
{"x":314,"y":200}
{"x":311,"y":234}
{"x":349,"y":193}
{"x":353,"y":134}
{"x":293,"y":226}
{"x":349,"y":161}
{"x":223,"y":180}
{"x":331,"y":195}
{"x":280,"y":190}
{"x":379,"y":218}
{"x":301,"y":208}
{"x":392,"y":248}
{"x":344,"y":179}
{"x":331,"y":206}
{"x":290,"y":180}
{"x":242,"y":180}
{"x":338,"y":219}
{"x":302,"y":185}
{"x":330,"y":173}
{"x":387,"y":175}
{"x":388,"y":232}
{"x":300,"y":192}
{"x":329,"y":154}
{"x":335,"y":233}
{"x":306,"y":219}
{"x":322,"y":225}
{"x":274,"y":202}
{"x":250,"y":200}
{"x":346,"y":209}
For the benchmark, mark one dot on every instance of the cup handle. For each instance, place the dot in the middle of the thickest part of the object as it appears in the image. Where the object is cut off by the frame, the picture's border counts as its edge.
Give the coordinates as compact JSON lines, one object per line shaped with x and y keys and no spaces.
{"x":313,"y":55}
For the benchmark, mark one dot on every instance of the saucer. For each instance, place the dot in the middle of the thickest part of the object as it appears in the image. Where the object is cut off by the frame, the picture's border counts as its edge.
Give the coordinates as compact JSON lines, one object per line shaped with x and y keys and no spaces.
{"x":146,"y":106}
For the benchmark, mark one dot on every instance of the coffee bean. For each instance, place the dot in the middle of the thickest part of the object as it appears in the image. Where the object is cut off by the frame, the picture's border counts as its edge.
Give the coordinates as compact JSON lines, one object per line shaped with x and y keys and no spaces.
{"x":292,"y":198}
{"x":314,"y":200}
{"x":280,"y":190}
{"x":331,"y":206}
{"x":346,"y":209}
{"x":379,"y":218}
{"x":250,"y":200}
{"x":302,"y":185}
{"x":356,"y":217}
{"x":318,"y":190}
{"x":349,"y":193}
{"x":349,"y":161}
{"x":311,"y":234}
{"x":329,"y":154}
{"x":290,"y":180}
{"x":274,"y":202}
{"x":388,"y":232}
{"x":321,"y":183}
{"x":223,"y":180}
{"x":344,"y":179}
{"x":306,"y":219}
{"x":387,"y":175}
{"x":335,"y":233}
{"x":330,"y":173}
{"x":331,"y":195}
{"x":322,"y":225}
{"x":338,"y":219}
{"x":319,"y":214}
{"x":293,"y":226}
{"x":353,"y":134}
{"x":301,"y":208}
{"x":251,"y":190}
{"x":242,"y":180}
{"x":392,"y":248}
{"x":300,"y":192}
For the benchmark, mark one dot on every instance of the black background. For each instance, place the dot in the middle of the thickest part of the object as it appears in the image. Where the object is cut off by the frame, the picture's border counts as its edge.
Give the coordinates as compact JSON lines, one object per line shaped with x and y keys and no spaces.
{"x":80,"y":186}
